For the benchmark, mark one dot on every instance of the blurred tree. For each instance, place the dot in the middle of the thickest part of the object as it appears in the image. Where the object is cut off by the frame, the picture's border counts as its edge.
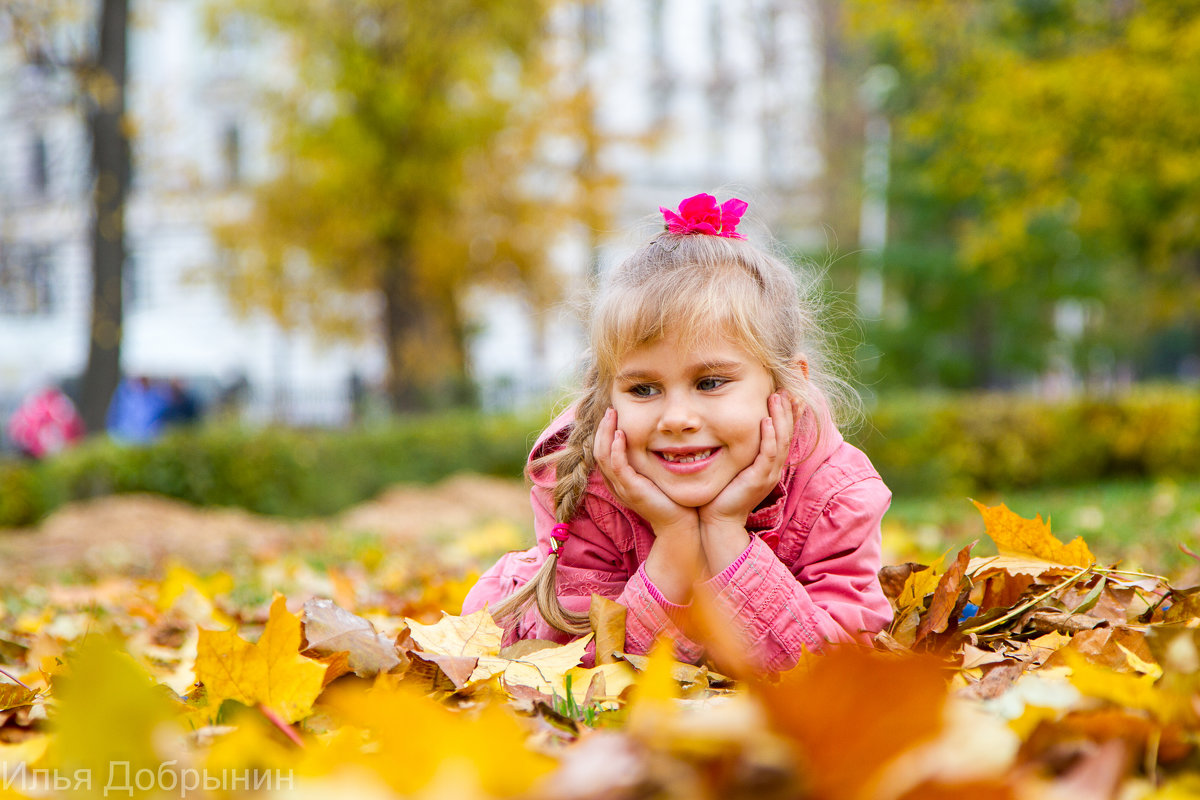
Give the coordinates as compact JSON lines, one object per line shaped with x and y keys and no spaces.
{"x":48,"y":35}
{"x":424,"y":149}
{"x":1045,"y":189}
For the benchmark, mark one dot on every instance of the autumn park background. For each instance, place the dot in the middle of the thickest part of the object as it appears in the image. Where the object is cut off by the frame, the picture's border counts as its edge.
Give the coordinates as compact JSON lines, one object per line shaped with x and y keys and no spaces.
{"x":1002,"y":200}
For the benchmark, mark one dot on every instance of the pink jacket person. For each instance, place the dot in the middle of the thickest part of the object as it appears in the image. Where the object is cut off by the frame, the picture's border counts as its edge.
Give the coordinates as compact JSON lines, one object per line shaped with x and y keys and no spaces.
{"x":809,"y":576}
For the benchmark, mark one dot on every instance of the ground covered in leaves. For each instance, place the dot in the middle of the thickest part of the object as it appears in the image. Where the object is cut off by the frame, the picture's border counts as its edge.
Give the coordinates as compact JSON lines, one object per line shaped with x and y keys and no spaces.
{"x":152,"y":650}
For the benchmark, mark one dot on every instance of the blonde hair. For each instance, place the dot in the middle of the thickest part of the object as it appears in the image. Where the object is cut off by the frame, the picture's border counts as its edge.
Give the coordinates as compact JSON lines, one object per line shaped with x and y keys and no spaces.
{"x":690,"y":287}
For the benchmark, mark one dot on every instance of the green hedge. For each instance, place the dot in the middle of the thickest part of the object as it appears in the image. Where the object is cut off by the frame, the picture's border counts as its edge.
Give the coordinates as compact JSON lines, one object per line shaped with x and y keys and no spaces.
{"x":964,"y":443}
{"x":955,"y":444}
{"x":294,"y":473}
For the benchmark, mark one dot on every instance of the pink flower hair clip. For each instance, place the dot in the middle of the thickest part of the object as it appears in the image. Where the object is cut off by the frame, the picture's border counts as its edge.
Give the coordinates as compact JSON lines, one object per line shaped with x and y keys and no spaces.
{"x":701,"y":214}
{"x":558,"y":537}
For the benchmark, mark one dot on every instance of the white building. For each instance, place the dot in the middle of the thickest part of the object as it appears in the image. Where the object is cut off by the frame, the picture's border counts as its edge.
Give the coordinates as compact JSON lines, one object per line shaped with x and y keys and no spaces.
{"x":730,"y":86}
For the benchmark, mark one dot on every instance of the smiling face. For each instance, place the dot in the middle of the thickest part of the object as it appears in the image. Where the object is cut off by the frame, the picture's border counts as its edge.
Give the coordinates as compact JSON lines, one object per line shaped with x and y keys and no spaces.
{"x":692,"y":416}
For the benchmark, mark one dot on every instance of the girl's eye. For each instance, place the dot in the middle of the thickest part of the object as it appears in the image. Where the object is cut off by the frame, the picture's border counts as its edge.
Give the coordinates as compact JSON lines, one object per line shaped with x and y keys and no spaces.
{"x":708,"y":384}
{"x":641,"y":390}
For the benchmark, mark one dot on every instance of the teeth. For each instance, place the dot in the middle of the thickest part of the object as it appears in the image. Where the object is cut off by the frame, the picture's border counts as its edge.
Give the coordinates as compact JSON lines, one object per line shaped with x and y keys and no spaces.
{"x":679,"y":458}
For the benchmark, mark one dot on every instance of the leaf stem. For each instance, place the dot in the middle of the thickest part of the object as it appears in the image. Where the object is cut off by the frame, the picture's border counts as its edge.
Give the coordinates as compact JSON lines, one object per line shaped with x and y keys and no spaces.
{"x":278,"y":722}
{"x":15,"y":680}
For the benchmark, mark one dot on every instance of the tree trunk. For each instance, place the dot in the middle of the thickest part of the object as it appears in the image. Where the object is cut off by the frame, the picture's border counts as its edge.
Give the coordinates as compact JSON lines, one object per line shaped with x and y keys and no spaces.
{"x":402,"y":321}
{"x":110,"y":175}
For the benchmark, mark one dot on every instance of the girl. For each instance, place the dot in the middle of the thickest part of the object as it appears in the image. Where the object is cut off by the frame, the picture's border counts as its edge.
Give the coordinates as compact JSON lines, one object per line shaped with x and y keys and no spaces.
{"x":701,"y":458}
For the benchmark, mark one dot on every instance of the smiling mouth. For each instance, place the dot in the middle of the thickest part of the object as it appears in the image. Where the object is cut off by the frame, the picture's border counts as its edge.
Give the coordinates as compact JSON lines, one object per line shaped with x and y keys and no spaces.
{"x":685,"y":458}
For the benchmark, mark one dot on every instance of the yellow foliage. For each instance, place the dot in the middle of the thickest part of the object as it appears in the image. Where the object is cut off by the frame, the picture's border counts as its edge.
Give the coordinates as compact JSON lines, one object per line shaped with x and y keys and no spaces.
{"x":109,"y":713}
{"x":408,"y":739}
{"x":1018,"y":536}
{"x":270,"y":671}
{"x":473,"y":635}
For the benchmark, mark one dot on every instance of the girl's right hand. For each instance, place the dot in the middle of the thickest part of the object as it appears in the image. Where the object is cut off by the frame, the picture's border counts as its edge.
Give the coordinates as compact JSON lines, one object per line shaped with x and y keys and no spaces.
{"x":634,"y":489}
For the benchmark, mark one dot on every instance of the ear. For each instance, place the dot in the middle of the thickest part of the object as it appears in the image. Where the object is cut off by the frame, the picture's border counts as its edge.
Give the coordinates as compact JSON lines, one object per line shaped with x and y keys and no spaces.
{"x":802,"y":364}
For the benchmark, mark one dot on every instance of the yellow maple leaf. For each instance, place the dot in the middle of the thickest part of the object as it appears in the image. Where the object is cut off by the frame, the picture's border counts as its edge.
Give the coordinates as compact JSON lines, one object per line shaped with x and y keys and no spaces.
{"x":544,"y":669}
{"x":1131,"y":691}
{"x":473,"y":635}
{"x":1015,"y":535}
{"x":270,"y":671}
{"x":618,"y":676}
{"x":109,"y":712}
{"x":408,"y":739}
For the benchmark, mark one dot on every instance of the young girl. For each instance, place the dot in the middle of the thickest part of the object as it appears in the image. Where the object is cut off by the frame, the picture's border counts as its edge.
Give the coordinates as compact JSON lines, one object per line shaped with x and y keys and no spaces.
{"x":701,"y":458}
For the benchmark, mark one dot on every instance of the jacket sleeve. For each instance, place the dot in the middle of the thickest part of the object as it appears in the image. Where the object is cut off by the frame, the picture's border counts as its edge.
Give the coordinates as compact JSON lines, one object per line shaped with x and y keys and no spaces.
{"x":831,"y":593}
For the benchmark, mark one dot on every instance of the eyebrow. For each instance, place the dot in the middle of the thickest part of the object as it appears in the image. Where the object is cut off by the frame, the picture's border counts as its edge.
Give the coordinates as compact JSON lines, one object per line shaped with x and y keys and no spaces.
{"x":639,"y":376}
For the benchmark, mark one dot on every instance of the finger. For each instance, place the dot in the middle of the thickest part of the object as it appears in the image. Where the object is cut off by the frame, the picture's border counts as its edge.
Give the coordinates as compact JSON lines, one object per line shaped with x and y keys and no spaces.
{"x":785,"y":423}
{"x":620,"y":453}
{"x":602,"y":446}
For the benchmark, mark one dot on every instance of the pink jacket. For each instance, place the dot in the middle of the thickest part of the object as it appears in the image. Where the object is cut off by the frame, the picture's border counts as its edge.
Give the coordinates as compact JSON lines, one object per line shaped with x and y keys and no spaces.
{"x":809,"y":576}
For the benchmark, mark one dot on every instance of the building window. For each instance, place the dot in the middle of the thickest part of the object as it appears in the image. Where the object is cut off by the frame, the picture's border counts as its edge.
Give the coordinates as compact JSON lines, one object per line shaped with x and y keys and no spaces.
{"x":593,"y":26}
{"x":27,"y":281}
{"x":39,"y":165}
{"x":231,"y":154}
{"x":133,"y":289}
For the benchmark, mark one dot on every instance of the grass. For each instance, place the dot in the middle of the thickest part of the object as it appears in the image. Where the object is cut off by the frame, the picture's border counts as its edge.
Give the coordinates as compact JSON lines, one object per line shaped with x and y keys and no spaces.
{"x":1139,"y":523}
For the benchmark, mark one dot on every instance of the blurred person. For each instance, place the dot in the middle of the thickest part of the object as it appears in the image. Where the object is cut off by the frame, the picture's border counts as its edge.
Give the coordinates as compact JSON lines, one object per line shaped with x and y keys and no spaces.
{"x":45,"y":423}
{"x":701,"y":458}
{"x":182,"y":407}
{"x":136,"y":414}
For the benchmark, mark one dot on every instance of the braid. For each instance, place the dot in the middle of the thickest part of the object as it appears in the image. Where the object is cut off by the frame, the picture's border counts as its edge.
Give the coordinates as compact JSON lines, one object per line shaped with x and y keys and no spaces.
{"x":573,"y":465}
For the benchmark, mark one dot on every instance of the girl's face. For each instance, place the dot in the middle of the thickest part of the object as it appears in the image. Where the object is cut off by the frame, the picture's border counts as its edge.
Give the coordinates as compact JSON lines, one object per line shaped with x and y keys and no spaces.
{"x":691,"y":418}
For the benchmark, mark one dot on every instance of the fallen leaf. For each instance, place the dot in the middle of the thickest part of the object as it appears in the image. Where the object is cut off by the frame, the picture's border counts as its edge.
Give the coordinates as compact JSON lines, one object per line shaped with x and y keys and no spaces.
{"x":413,"y":738}
{"x":543,"y":670}
{"x":458,"y":669}
{"x":607,"y":618}
{"x":1017,"y":536}
{"x":270,"y":671}
{"x":945,"y":596}
{"x":14,"y":696}
{"x":330,"y":629}
{"x":473,"y":635}
{"x":109,"y":712}
{"x":896,"y":703}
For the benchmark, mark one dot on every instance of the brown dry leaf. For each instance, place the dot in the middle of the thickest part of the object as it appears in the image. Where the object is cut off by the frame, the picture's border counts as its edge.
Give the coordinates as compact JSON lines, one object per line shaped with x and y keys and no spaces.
{"x":607,"y":618}
{"x":1017,"y":536}
{"x":945,"y":596}
{"x":13,"y":696}
{"x":892,"y":578}
{"x":336,"y":665}
{"x":896,"y":703}
{"x":457,"y":668}
{"x":330,"y":629}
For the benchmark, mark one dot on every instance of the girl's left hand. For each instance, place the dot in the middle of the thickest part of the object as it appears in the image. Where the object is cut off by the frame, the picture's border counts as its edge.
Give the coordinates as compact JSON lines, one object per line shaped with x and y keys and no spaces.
{"x":752,"y":485}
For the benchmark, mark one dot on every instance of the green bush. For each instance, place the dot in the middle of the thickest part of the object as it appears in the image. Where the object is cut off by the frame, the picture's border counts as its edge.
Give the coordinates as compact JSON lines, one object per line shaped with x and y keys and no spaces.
{"x":956,"y":444}
{"x":277,"y":471}
{"x":965,"y":443}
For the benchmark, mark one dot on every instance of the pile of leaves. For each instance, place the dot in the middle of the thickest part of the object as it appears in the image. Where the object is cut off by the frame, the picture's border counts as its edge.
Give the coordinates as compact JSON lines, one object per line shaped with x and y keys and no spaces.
{"x":1034,"y":673}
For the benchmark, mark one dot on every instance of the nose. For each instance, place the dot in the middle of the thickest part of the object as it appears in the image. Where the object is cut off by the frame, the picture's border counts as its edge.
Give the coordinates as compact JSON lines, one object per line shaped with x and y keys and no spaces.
{"x":678,"y":414}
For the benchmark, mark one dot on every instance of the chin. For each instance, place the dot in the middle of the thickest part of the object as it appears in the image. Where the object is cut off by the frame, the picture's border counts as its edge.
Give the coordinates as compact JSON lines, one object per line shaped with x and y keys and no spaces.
{"x":692,"y":499}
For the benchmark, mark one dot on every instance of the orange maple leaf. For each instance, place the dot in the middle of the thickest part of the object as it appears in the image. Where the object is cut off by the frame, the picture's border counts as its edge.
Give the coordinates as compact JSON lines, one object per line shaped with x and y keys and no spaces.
{"x":849,"y":712}
{"x":1015,"y":535}
{"x":270,"y":671}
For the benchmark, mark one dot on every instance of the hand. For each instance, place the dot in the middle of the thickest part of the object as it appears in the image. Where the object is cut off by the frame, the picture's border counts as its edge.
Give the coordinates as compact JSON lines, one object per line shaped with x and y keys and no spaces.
{"x":675,"y":560}
{"x":752,"y":485}
{"x":631,"y":487}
